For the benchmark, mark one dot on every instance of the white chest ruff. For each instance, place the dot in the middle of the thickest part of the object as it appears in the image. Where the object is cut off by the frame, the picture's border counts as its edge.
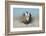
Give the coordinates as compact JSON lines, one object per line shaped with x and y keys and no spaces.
{"x":27,"y":16}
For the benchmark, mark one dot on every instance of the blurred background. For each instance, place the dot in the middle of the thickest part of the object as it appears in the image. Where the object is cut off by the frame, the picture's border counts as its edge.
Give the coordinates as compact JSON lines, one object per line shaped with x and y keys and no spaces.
{"x":18,"y":14}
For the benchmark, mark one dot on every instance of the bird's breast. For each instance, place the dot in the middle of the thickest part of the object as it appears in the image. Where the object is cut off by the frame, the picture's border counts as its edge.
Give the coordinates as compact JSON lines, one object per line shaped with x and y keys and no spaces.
{"x":27,"y":18}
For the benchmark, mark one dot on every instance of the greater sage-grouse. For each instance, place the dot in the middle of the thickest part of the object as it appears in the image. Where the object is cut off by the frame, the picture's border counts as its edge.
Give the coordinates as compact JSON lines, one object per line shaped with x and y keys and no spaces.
{"x":27,"y":18}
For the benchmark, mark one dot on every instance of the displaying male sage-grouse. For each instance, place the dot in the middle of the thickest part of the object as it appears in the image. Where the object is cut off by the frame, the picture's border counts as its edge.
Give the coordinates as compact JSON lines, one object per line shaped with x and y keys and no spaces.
{"x":27,"y":18}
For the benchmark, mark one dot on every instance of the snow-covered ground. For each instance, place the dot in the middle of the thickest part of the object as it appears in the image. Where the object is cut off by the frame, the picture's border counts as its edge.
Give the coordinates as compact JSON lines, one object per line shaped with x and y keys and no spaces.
{"x":17,"y":23}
